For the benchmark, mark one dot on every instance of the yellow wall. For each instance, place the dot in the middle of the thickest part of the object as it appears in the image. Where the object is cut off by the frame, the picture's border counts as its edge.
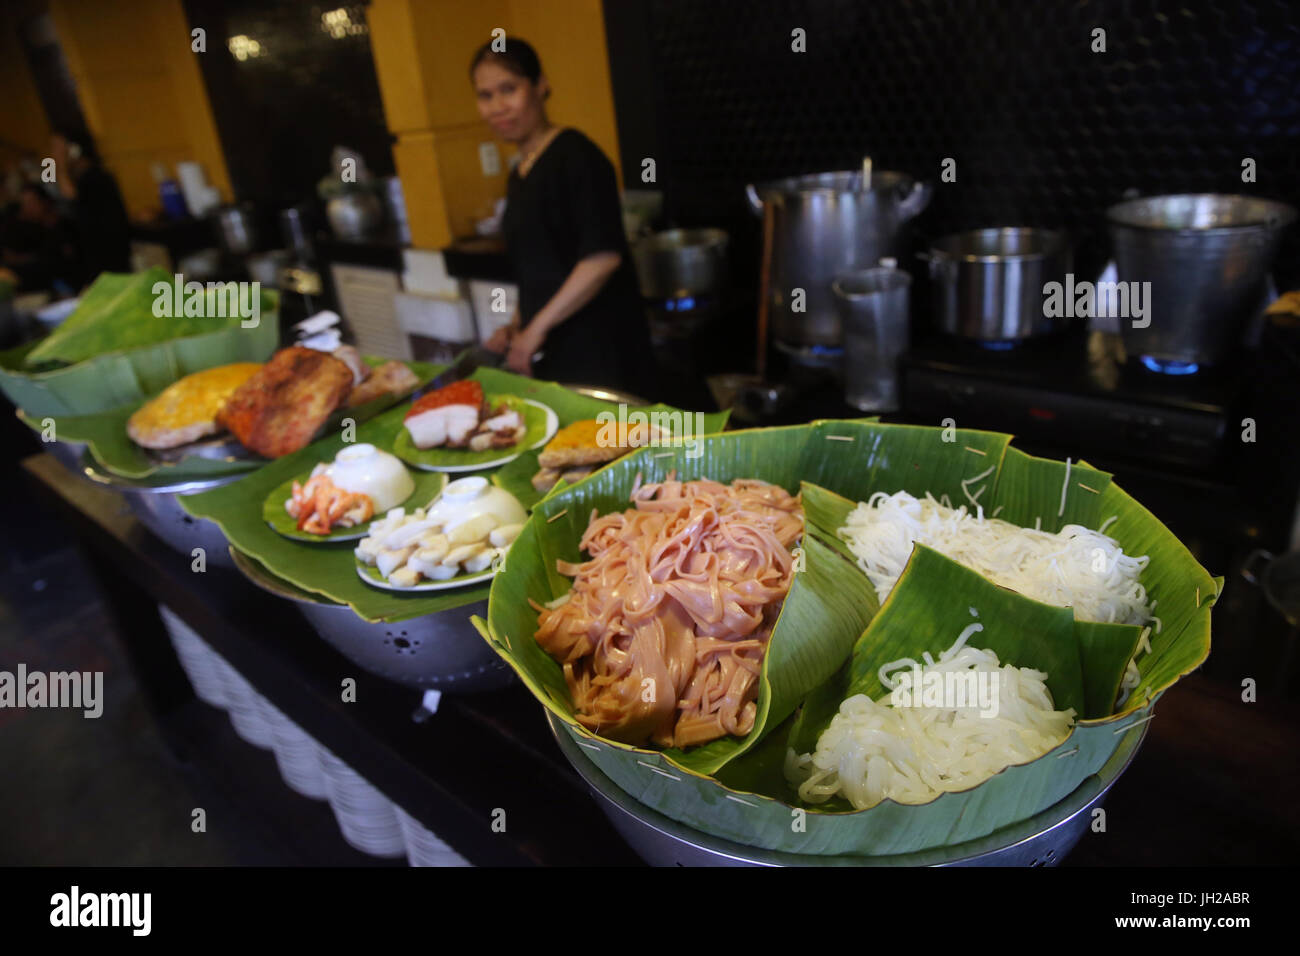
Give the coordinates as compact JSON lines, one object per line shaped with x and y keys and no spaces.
{"x":141,"y":91}
{"x":422,"y":50}
{"x":25,"y":130}
{"x":569,"y":37}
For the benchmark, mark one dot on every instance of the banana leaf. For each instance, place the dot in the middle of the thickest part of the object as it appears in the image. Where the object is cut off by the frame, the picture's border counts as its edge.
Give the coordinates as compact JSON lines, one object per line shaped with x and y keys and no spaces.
{"x":746,"y":798}
{"x":106,"y":437}
{"x":117,"y":313}
{"x":823,"y":614}
{"x":1105,"y":648}
{"x":329,"y":570}
{"x":120,"y":376}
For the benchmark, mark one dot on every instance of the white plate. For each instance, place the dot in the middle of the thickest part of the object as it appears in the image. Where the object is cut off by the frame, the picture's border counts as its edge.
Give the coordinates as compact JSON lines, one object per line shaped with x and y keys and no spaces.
{"x":383,"y":584}
{"x":53,"y":315}
{"x":552,"y":425}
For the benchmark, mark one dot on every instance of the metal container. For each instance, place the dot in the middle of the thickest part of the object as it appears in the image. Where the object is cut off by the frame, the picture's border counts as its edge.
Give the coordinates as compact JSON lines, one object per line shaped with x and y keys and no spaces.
{"x":989,"y":283}
{"x":266,"y":267}
{"x":355,"y":215}
{"x":1279,"y":578}
{"x":681,"y":262}
{"x":437,"y":651}
{"x":1042,"y":840}
{"x":69,"y":454}
{"x":1207,"y":259}
{"x":826,"y":224}
{"x":873,"y":306}
{"x":158,"y":508}
{"x":295,"y":231}
{"x":236,"y":229}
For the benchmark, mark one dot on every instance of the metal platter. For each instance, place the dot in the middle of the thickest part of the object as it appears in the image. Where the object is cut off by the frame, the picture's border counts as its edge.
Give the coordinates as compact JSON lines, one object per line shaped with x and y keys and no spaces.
{"x":1042,"y":840}
{"x":436,"y":651}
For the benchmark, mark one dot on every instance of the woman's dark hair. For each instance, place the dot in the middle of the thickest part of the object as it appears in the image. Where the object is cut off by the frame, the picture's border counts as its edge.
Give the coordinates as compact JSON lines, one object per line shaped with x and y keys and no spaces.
{"x":518,"y":57}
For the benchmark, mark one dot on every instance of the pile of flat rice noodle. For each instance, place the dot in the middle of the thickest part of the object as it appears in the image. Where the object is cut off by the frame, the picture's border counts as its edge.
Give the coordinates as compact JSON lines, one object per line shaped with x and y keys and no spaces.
{"x":873,"y":751}
{"x":663,"y":633}
{"x":1075,"y":567}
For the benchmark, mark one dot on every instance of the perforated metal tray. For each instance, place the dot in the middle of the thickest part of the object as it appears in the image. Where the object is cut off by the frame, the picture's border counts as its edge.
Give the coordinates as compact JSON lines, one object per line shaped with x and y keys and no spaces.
{"x":435,"y":652}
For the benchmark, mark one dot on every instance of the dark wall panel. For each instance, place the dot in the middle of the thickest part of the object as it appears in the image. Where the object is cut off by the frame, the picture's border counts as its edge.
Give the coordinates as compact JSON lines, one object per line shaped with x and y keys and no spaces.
{"x":1044,"y":130}
{"x":281,"y":111}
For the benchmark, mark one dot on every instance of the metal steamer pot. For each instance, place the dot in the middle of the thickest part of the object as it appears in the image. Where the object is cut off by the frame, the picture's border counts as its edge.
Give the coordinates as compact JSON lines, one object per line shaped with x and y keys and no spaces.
{"x":158,"y":508}
{"x":681,"y":262}
{"x":1207,"y":259}
{"x":1042,"y":840}
{"x":824,"y":225}
{"x":989,"y":283}
{"x":439,"y":651}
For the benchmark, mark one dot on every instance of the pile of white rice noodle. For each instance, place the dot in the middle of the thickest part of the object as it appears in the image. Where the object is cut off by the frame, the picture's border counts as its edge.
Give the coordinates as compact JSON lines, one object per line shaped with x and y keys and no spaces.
{"x":873,"y":751}
{"x":1075,"y":567}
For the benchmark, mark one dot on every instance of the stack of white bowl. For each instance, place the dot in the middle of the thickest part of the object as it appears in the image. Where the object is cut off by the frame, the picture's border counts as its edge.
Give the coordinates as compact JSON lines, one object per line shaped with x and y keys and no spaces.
{"x":365,"y":815}
{"x":297,"y":754}
{"x":200,"y":662}
{"x":369,"y":821}
{"x":423,"y":848}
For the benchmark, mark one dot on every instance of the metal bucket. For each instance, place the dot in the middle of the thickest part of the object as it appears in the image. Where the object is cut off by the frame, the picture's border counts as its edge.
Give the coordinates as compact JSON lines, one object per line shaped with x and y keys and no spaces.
{"x":1042,"y":840}
{"x":437,"y":651}
{"x":158,"y":508}
{"x":826,"y":224}
{"x":1207,"y":259}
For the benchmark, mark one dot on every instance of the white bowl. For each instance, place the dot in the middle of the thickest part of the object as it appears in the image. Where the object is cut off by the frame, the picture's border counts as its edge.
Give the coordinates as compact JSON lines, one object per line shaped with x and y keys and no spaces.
{"x":467,"y":498}
{"x":366,"y":470}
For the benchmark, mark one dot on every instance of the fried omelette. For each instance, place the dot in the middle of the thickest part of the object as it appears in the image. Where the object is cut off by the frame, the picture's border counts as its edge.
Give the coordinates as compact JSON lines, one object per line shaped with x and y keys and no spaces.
{"x":280,"y":409}
{"x":186,"y":410}
{"x":579,"y":449}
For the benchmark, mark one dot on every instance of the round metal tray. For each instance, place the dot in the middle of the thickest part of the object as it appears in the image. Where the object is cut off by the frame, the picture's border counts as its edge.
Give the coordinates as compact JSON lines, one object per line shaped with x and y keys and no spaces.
{"x":1042,"y":840}
{"x":67,"y":453}
{"x":158,"y":508}
{"x":437,"y":651}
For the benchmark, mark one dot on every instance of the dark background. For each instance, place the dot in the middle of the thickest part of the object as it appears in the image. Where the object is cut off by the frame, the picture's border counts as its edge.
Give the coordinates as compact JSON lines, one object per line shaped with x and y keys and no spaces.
{"x":281,"y":114}
{"x":1044,"y":131}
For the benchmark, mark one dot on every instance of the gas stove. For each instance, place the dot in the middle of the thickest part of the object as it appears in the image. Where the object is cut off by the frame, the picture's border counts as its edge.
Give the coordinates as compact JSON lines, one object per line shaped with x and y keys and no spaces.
{"x":1076,"y":391}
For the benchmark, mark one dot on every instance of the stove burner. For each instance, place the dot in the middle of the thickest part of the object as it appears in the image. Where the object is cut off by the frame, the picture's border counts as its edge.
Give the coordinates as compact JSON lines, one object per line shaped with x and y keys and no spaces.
{"x":1169,"y":366}
{"x":683,"y":304}
{"x":1002,"y":345}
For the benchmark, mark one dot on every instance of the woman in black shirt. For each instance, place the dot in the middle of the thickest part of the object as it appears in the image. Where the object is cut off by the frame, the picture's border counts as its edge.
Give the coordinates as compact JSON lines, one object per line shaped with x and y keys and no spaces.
{"x":578,"y":300}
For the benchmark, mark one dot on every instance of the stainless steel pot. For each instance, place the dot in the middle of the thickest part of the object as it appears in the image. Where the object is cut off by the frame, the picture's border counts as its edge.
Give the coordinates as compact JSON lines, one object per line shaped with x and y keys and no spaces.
{"x":826,"y":224}
{"x":1042,"y":840}
{"x":355,"y":215}
{"x":439,"y":651}
{"x":1207,"y":259}
{"x":988,"y":283}
{"x":681,"y":262}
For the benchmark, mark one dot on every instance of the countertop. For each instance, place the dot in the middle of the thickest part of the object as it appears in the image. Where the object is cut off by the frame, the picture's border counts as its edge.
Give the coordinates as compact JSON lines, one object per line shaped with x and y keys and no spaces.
{"x":1215,"y":783}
